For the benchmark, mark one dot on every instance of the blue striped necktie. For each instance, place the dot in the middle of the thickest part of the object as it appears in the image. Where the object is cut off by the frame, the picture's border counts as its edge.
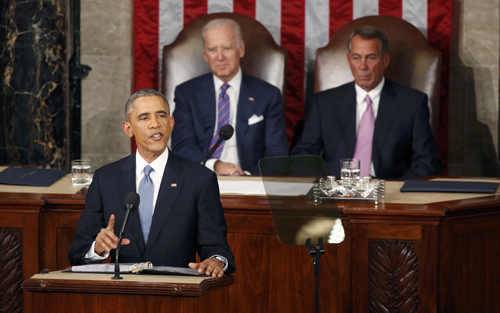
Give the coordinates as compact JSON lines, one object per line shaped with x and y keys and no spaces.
{"x":146,"y":193}
{"x":222,"y":119}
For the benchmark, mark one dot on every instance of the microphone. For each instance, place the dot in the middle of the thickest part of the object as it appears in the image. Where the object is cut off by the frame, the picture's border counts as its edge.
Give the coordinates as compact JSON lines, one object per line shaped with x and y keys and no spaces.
{"x":130,"y":203}
{"x":225,"y":133}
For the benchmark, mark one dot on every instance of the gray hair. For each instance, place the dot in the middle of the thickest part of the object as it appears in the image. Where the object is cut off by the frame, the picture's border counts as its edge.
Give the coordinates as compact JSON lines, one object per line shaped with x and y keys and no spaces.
{"x":141,"y":94}
{"x":220,"y":23}
{"x":370,"y":32}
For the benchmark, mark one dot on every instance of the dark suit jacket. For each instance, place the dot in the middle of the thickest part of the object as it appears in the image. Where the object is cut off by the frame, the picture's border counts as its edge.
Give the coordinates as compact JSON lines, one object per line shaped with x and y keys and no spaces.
{"x":195,"y":113}
{"x":188,"y":216}
{"x":403,"y":144}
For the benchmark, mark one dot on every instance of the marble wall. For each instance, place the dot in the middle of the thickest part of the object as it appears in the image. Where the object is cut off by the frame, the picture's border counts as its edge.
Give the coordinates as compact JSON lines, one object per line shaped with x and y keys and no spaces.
{"x":106,"y":46}
{"x":34,"y":109}
{"x":474,"y":82}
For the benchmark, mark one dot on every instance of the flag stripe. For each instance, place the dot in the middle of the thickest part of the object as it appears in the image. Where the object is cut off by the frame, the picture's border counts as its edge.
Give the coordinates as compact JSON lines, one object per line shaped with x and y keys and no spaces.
{"x":145,"y":44}
{"x":216,"y":6}
{"x":268,"y":12}
{"x":340,"y":14}
{"x":193,"y":9}
{"x":317,"y":29}
{"x":170,"y":24}
{"x":390,"y":7}
{"x":439,"y":22}
{"x":245,"y":7}
{"x":362,"y":8}
{"x":301,"y":26}
{"x":292,"y":38}
{"x":415,"y":12}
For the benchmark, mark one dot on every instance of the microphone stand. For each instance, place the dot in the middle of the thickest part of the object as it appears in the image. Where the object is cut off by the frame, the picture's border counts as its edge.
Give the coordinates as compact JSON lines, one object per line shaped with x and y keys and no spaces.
{"x":316,"y":253}
{"x":209,"y":154}
{"x":129,"y":207}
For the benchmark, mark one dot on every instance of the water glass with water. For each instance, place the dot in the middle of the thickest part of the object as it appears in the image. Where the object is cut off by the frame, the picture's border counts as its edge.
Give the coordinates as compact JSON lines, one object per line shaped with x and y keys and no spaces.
{"x":349,"y":169}
{"x":81,"y":172}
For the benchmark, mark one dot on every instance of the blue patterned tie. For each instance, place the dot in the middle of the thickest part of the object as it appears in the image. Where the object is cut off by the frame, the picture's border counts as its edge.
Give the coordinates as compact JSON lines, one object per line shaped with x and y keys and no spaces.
{"x":222,"y":119}
{"x":146,"y":192}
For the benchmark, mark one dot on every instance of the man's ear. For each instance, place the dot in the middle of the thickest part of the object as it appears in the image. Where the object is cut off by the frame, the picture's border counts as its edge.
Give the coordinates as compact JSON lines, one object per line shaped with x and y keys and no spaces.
{"x":127,"y":128}
{"x":242,"y":49}
{"x":387,"y":59}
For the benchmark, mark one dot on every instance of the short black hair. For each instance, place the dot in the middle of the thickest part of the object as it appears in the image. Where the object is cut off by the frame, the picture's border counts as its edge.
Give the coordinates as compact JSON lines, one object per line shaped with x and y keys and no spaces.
{"x":141,"y":94}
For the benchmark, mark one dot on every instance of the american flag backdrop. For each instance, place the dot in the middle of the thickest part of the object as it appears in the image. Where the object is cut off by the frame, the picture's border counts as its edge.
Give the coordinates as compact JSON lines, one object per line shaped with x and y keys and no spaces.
{"x":301,"y":26}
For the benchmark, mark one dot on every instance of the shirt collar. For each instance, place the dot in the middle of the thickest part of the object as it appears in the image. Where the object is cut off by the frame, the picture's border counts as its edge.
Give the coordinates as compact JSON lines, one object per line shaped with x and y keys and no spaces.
{"x":235,"y":82}
{"x":374,"y":93}
{"x":158,"y":164}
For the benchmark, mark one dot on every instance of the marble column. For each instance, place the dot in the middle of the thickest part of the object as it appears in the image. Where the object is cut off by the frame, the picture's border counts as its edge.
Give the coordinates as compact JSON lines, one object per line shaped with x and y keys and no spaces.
{"x":34,"y":105}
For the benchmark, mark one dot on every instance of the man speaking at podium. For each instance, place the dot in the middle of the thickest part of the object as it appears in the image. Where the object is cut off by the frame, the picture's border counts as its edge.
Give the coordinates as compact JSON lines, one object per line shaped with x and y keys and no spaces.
{"x":179,"y":213}
{"x":228,"y":96}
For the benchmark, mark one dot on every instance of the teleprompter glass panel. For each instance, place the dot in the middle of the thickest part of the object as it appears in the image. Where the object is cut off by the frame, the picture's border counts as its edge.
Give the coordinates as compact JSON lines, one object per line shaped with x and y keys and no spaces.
{"x":297,"y":214}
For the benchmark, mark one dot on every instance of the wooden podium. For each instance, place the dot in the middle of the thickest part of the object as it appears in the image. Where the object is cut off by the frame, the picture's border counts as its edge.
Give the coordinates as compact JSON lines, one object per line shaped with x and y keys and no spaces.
{"x":88,"y":293}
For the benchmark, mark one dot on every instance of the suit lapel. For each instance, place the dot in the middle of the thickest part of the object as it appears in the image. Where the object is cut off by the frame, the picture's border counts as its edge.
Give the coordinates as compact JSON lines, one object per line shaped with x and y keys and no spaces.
{"x":387,"y":111}
{"x":206,"y":100}
{"x":347,"y":111}
{"x":126,"y":184}
{"x":246,"y":107}
{"x":170,"y":188}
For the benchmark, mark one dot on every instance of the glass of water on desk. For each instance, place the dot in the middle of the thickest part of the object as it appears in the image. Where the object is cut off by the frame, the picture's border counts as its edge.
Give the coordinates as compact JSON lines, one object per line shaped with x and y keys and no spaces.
{"x":81,"y":172}
{"x":349,"y":170}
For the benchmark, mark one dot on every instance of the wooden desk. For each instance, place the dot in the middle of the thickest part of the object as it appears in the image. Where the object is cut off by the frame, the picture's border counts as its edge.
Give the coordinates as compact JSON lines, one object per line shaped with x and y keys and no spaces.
{"x":440,"y":257}
{"x":93,"y":293}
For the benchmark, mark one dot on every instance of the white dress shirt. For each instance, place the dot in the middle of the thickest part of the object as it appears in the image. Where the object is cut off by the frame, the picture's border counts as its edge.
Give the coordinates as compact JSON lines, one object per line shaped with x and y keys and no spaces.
{"x":156,"y":175}
{"x":361,"y":107}
{"x":230,"y":151}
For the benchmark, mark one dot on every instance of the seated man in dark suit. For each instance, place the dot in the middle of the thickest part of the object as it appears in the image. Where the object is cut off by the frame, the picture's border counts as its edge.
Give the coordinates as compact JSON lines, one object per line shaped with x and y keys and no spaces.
{"x":378,"y":121}
{"x":228,"y":96}
{"x":179,"y":214}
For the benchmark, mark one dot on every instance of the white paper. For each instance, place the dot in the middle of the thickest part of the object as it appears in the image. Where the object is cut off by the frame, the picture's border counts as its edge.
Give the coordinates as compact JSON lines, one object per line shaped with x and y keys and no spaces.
{"x":101,"y":268}
{"x":256,"y":188}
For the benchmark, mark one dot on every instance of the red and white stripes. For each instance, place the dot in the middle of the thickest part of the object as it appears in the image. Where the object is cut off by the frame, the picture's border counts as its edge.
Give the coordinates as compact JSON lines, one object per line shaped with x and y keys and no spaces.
{"x":301,"y":26}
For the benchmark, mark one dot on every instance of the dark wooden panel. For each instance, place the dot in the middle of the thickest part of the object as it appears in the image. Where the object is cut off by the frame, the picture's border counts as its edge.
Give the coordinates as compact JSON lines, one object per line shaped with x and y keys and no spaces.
{"x":64,"y":239}
{"x":57,"y":229}
{"x":216,"y":302}
{"x":11,"y":273}
{"x":393,"y":276}
{"x":272,"y":277}
{"x":394,"y":267}
{"x":469,"y":271}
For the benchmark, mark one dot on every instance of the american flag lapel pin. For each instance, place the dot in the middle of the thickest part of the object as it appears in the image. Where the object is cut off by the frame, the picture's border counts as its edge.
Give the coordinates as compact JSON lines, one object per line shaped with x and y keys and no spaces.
{"x":173,"y":185}
{"x":251,"y":98}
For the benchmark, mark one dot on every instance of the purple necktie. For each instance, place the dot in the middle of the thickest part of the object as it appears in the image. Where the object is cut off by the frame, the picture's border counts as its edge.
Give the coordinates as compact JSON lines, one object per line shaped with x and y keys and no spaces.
{"x":222,"y":119}
{"x":363,"y":151}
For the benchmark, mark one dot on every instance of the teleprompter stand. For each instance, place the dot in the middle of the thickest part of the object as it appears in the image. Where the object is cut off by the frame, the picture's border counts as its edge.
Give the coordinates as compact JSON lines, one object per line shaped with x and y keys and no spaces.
{"x":299,"y":217}
{"x":316,"y":253}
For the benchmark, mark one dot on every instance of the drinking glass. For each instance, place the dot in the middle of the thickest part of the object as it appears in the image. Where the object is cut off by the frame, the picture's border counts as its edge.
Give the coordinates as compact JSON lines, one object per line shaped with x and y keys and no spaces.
{"x":349,"y":170}
{"x":81,"y":172}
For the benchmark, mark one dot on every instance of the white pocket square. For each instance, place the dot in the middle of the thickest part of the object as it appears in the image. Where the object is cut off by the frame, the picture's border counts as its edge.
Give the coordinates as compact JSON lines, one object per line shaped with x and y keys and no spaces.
{"x":255,"y":119}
